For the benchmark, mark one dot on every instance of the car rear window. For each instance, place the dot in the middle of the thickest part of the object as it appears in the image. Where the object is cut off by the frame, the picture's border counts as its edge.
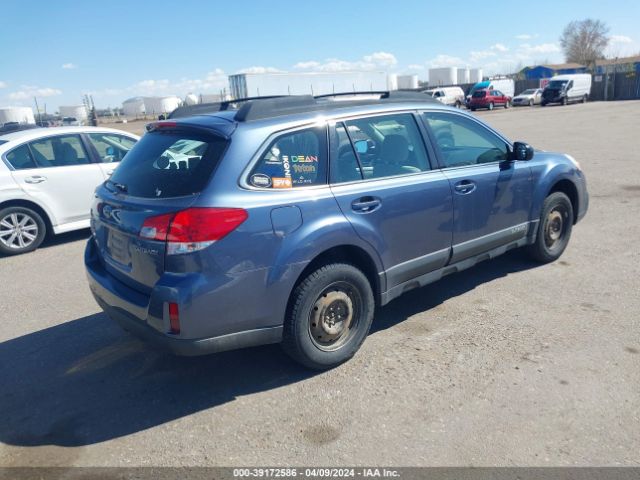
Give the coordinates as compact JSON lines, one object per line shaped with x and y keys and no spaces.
{"x":168,"y":164}
{"x":479,"y":94}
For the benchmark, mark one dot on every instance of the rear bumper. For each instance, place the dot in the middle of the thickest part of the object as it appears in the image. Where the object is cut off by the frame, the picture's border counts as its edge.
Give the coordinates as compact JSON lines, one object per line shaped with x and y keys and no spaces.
{"x":144,"y":316}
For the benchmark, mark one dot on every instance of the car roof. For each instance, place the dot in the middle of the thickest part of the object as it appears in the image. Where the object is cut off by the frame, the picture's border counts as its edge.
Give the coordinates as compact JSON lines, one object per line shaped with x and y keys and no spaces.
{"x":35,"y":133}
{"x":289,"y":110}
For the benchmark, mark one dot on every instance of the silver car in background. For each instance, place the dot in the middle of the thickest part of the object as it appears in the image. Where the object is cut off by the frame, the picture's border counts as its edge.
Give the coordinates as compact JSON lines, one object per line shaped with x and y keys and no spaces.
{"x":48,"y":177}
{"x":528,"y":98}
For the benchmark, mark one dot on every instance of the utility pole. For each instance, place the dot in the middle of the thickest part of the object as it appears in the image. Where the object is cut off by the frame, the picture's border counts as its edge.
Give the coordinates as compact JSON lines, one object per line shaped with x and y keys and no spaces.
{"x":37,"y":110}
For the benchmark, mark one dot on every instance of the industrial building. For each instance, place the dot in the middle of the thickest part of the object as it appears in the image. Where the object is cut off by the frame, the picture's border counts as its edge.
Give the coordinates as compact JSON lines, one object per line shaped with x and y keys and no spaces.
{"x":79,"y":112}
{"x":161,"y":105}
{"x":446,"y":76}
{"x":317,"y":83}
{"x":538,"y":72}
{"x":21,"y":115}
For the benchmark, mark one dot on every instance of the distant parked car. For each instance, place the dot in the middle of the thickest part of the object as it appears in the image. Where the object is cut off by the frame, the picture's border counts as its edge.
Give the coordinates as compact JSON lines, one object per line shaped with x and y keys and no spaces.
{"x":48,"y":177}
{"x":505,"y":85}
{"x":565,"y":89}
{"x":71,"y":122}
{"x":529,"y":97}
{"x":489,"y":99}
{"x":453,"y":96}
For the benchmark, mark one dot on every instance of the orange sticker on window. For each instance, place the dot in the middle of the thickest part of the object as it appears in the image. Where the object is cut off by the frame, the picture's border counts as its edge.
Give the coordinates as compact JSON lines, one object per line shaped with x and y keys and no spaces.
{"x":280,"y":182}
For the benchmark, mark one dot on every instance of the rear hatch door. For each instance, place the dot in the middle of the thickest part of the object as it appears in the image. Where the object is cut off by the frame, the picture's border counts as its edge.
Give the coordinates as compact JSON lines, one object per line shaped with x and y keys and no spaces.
{"x":162,"y":174}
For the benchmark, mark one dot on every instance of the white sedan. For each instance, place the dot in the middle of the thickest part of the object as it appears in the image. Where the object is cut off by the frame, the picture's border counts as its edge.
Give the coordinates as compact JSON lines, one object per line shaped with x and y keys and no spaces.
{"x":529,"y":97}
{"x":48,"y":177}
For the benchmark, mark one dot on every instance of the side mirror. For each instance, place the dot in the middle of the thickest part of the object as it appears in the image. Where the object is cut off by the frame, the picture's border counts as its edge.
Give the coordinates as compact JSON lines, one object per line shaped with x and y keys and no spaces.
{"x":361,"y":146}
{"x":522,"y":151}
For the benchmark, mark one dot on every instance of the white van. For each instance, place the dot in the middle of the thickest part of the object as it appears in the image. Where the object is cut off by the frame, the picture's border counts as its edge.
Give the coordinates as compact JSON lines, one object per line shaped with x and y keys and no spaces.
{"x":567,"y":88}
{"x":448,"y":95}
{"x":505,"y":85}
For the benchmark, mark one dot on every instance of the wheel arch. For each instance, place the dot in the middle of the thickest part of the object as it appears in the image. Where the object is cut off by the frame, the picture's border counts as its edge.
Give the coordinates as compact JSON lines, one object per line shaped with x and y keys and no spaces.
{"x":351,"y":254}
{"x":33,"y":206}
{"x":569,"y":188}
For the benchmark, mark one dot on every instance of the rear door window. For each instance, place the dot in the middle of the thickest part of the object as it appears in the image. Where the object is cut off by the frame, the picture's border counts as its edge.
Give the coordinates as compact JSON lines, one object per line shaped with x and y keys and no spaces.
{"x":294,"y":159}
{"x":168,"y":164}
{"x":60,"y":151}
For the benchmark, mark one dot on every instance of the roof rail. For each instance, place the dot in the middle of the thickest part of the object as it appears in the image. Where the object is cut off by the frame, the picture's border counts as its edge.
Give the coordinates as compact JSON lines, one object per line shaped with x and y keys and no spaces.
{"x":255,"y":108}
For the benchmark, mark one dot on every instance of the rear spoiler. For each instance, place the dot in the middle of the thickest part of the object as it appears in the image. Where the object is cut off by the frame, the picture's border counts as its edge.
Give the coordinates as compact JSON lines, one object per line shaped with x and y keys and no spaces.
{"x":173,"y":125}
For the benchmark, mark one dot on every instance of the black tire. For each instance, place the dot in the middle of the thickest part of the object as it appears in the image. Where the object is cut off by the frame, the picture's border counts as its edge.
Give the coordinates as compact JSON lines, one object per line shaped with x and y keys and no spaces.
{"x":507,"y":104}
{"x":554,"y":228}
{"x":473,"y":109}
{"x":31,"y":233}
{"x":490,"y":105}
{"x":565,"y":101}
{"x":584,"y":99}
{"x":312,"y":336}
{"x":458,"y":104}
{"x":543,"y":104}
{"x":531,"y":103}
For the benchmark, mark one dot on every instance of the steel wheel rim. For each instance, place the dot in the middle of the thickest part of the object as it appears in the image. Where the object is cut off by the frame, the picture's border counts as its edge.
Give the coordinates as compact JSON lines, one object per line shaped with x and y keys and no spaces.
{"x":18,"y":231}
{"x":554,"y":228}
{"x":334,"y":316}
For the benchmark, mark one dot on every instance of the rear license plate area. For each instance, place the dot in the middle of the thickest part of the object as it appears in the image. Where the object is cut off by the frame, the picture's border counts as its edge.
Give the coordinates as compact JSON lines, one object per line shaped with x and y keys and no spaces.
{"x":118,"y":247}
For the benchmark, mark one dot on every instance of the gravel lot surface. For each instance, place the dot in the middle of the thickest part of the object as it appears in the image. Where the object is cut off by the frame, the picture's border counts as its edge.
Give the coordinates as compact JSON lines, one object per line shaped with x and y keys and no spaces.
{"x":509,"y":363}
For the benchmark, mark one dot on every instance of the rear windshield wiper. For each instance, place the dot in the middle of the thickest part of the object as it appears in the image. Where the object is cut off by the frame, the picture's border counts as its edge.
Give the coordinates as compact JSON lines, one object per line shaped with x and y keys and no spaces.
{"x":120,"y":187}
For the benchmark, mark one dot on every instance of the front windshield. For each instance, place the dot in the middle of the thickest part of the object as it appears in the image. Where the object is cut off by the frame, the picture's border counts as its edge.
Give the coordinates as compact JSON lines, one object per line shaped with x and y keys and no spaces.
{"x":531,"y":91}
{"x":558,"y":84}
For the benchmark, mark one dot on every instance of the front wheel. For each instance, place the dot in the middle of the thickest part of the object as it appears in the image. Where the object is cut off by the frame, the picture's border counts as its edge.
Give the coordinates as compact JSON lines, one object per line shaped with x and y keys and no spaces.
{"x":531,"y":103}
{"x":565,"y":101}
{"x":329,"y":316}
{"x":554,"y":228}
{"x":22,"y":230}
{"x":507,"y":104}
{"x":584,"y":99}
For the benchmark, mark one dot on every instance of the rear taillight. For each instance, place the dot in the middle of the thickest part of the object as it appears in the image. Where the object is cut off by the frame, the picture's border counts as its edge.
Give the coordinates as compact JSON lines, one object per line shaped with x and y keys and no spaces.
{"x":174,"y":318}
{"x":192,"y":229}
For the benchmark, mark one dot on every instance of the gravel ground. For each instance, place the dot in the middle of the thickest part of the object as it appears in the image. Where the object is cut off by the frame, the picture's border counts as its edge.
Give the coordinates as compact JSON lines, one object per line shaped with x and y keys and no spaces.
{"x":509,"y":363}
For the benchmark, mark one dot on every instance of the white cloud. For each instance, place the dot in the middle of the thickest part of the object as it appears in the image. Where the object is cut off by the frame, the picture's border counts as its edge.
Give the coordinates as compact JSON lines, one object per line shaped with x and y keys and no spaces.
{"x":540,"y":48}
{"x":499,"y":47}
{"x":381,"y":58}
{"x":525,"y":36}
{"x":476,"y":56}
{"x":374,"y":61}
{"x":3,"y":84}
{"x":69,"y":66}
{"x":30,"y":91}
{"x":260,"y":70}
{"x":443,"y":60}
{"x":620,"y":39}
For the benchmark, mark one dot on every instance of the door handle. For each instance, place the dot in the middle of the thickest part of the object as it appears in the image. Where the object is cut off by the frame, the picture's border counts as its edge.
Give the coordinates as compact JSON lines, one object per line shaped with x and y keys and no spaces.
{"x":464,"y":186}
{"x":366,"y":204}
{"x":109,"y":173}
{"x":35,"y":179}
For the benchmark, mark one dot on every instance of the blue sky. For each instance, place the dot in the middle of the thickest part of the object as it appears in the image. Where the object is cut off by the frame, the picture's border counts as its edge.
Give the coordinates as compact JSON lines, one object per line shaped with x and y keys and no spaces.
{"x":116,"y":49}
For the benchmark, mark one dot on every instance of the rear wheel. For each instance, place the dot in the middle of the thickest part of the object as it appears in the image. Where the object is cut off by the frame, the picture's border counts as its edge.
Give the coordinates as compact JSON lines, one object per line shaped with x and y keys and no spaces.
{"x":491,"y":106}
{"x":554,"y":228}
{"x":329,"y":317}
{"x":584,"y":99}
{"x":22,"y":230}
{"x":507,"y":104}
{"x":531,"y":103}
{"x":564,"y":100}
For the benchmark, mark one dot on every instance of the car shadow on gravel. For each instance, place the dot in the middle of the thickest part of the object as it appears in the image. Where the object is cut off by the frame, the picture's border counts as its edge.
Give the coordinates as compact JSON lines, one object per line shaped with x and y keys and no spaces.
{"x":430,"y":296}
{"x":86,"y":381}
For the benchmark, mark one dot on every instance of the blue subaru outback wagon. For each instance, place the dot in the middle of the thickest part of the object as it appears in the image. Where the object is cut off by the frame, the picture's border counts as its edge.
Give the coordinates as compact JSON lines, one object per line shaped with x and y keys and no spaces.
{"x":288,"y":220}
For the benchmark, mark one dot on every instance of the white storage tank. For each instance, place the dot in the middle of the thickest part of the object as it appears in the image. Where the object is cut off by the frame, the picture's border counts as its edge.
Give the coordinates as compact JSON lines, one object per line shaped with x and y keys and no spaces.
{"x":191,"y":99}
{"x":133,"y":107}
{"x":475,"y":75}
{"x":392,"y":81}
{"x":442,"y":77}
{"x":22,"y":115}
{"x":464,"y":76}
{"x":79,"y":112}
{"x":212,"y":98}
{"x":160,"y":105}
{"x":407,"y":82}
